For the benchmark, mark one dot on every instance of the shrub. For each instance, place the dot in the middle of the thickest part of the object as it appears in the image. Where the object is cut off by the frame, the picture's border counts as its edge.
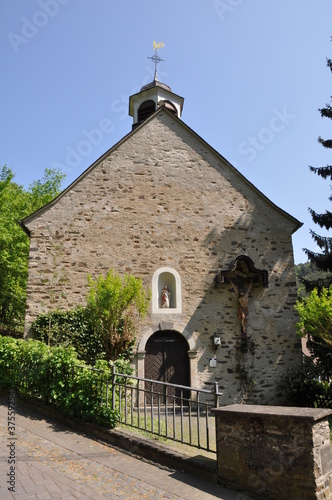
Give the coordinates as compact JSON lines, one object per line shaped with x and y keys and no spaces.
{"x":9,"y":354}
{"x":105,"y":329}
{"x":311,"y":386}
{"x":305,"y":388}
{"x":56,"y":376}
{"x":64,"y":328}
{"x":315,"y":322}
{"x":115,"y":304}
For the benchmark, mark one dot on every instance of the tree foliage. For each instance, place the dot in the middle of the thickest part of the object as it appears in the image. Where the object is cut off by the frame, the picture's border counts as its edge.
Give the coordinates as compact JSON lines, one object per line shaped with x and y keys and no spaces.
{"x":308,"y":274}
{"x":115,"y":304}
{"x":315,"y":323}
{"x":105,"y":328}
{"x":306,"y":388}
{"x":322,"y":259}
{"x":70,"y":328}
{"x":15,"y":204}
{"x":312,"y":385}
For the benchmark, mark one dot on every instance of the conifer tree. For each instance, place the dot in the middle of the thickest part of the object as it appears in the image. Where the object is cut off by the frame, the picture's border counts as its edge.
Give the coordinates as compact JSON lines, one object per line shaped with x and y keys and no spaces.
{"x":323,"y":259}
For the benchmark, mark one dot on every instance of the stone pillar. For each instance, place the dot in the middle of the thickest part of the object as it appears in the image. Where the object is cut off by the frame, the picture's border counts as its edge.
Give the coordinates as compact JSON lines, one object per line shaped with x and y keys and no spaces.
{"x":140,"y":363}
{"x":192,"y":354}
{"x":275,"y":452}
{"x":140,"y":374}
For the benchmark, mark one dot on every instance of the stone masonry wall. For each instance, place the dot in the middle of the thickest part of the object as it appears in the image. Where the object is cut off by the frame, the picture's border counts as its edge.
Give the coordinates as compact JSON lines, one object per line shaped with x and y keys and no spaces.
{"x":162,"y":198}
{"x":275,"y":452}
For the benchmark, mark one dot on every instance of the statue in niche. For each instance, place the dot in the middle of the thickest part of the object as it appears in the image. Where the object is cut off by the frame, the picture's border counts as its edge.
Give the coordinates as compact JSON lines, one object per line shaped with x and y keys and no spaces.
{"x":165,"y":297}
{"x":243,"y":311}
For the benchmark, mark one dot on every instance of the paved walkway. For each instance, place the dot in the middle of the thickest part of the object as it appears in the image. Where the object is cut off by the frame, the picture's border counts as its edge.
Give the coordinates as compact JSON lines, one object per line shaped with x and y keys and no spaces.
{"x":52,"y":461}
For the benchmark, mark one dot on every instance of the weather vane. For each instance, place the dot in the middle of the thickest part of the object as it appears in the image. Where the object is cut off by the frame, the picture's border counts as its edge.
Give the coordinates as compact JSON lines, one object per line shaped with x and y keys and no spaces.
{"x":155,"y":58}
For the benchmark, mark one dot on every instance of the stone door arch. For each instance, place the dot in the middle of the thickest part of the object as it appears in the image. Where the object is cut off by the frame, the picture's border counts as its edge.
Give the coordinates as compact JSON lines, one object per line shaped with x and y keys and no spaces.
{"x":167,"y":360}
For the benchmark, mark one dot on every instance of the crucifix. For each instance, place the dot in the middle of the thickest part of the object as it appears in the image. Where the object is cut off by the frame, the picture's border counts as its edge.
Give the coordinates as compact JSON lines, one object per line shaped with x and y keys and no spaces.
{"x":155,"y":58}
{"x":243,"y":311}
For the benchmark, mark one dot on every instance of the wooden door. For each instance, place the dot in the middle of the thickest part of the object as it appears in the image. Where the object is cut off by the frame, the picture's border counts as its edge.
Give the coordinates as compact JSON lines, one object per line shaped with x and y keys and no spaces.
{"x":167,"y":360}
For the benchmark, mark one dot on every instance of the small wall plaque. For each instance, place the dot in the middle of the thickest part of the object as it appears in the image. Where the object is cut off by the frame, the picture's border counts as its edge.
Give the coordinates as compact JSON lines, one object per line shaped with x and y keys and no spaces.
{"x":213,"y":362}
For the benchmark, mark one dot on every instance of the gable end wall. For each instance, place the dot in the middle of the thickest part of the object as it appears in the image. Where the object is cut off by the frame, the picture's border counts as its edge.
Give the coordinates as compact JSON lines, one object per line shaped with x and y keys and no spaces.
{"x":164,"y":199}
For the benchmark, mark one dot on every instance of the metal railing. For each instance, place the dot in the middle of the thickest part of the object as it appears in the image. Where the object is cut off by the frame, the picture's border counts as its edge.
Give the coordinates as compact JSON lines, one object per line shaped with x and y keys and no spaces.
{"x":173,"y":412}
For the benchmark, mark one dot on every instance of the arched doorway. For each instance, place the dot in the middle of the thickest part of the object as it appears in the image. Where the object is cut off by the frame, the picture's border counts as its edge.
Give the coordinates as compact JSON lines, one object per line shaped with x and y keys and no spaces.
{"x":166,"y":360}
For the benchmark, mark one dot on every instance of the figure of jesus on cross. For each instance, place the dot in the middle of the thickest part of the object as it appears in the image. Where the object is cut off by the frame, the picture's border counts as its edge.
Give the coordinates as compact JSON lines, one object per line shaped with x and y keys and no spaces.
{"x":243,"y":311}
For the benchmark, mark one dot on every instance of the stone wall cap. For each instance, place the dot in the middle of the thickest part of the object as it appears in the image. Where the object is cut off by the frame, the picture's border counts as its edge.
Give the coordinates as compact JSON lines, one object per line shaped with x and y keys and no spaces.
{"x":312,"y":414}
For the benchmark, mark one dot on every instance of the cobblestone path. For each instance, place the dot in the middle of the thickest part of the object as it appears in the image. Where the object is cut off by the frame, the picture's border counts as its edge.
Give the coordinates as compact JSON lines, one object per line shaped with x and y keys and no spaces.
{"x":54,"y":462}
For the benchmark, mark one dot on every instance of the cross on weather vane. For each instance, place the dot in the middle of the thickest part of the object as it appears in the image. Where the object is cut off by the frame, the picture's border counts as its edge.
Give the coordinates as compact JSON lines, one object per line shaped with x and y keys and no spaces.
{"x":155,"y":58}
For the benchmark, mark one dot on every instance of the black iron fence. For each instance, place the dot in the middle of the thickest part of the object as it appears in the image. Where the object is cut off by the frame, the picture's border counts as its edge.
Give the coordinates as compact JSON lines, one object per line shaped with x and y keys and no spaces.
{"x":173,"y":412}
{"x":170,"y":411}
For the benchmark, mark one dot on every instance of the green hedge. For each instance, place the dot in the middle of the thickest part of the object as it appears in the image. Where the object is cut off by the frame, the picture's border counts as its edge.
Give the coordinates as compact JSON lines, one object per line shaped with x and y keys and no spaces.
{"x":56,"y":376}
{"x":305,"y":388}
{"x":70,"y":328}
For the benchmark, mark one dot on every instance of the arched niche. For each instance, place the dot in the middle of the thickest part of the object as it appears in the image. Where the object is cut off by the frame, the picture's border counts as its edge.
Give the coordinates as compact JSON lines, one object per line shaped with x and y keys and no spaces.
{"x":166,"y":291}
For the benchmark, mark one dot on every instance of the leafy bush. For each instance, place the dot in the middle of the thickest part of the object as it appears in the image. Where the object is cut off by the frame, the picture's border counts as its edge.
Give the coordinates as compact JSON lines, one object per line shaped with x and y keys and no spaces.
{"x":315,"y":312}
{"x":105,"y":329}
{"x":64,"y":328}
{"x":305,"y":388}
{"x":56,"y":376}
{"x":115,"y":305}
{"x":309,"y":393}
{"x":9,"y":360}
{"x":311,"y":386}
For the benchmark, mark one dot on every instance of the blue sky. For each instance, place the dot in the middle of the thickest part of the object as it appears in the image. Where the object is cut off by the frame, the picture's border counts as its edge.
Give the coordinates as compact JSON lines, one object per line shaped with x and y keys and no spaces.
{"x":253,"y":74}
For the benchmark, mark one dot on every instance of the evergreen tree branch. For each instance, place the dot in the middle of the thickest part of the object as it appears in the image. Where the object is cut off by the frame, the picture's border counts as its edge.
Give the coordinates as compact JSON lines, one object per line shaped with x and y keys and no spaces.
{"x":329,"y":62}
{"x":324,"y":242}
{"x":323,"y":172}
{"x":326,"y":112}
{"x":326,"y":143}
{"x":323,"y":260}
{"x":323,"y":220}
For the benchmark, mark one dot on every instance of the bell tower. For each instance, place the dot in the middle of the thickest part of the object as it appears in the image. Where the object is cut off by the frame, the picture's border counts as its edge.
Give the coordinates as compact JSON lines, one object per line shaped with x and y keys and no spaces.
{"x":154,"y":95}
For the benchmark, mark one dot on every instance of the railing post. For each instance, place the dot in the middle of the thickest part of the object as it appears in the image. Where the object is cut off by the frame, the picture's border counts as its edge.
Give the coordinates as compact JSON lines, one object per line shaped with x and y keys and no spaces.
{"x":101,"y":390}
{"x":113,"y":387}
{"x":216,"y":395}
{"x":125,"y":395}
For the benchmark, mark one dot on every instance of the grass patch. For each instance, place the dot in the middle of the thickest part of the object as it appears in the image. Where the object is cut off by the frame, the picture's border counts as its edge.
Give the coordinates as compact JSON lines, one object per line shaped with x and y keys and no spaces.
{"x":169,"y":430}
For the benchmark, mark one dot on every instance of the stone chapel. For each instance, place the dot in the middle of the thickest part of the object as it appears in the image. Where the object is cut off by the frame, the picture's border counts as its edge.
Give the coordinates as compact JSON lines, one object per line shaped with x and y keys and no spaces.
{"x":216,"y":253}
